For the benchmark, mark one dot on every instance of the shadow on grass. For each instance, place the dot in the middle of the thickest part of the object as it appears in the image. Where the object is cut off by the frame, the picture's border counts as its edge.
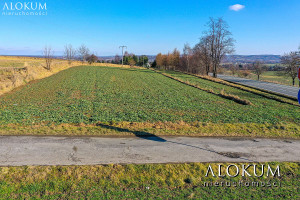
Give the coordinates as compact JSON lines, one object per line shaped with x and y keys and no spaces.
{"x":140,"y":134}
{"x":152,"y":137}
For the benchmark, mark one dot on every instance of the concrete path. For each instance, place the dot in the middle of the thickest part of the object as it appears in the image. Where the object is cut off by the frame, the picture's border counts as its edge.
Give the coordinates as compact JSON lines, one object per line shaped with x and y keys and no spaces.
{"x":273,"y":87}
{"x":27,"y":150}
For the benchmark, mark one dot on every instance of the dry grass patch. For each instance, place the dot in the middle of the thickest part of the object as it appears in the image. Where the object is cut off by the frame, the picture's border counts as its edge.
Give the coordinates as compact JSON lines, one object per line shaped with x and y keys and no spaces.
{"x":180,"y":128}
{"x":16,"y":71}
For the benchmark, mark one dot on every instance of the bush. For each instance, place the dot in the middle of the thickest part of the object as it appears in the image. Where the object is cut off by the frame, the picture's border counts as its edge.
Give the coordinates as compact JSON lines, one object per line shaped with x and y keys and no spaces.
{"x":244,"y":73}
{"x":92,"y":59}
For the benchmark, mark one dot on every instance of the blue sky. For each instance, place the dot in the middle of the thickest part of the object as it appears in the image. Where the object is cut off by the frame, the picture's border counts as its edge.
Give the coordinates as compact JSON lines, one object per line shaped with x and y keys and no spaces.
{"x":149,"y":27}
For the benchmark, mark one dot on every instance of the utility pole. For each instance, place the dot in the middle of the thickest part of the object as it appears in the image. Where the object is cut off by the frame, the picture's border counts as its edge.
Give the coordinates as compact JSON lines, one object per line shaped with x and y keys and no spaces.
{"x":123,"y":52}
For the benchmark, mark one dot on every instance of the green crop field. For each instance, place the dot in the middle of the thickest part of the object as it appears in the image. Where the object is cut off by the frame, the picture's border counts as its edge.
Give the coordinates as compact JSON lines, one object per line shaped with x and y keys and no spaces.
{"x":90,"y":94}
{"x":90,"y":100}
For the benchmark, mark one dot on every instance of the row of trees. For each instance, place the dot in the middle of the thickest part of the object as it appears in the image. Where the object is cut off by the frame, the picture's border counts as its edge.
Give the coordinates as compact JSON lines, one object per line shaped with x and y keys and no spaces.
{"x":290,"y":61}
{"x":131,"y":59}
{"x":169,"y":61}
{"x":290,"y":64}
{"x":205,"y":56}
{"x":258,"y":67}
{"x":70,"y":53}
{"x":82,"y":53}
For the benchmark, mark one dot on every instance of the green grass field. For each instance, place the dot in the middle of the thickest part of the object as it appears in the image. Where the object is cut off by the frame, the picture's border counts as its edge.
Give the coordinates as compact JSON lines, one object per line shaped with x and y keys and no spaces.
{"x":151,"y":181}
{"x":88,"y":95}
{"x":79,"y":100}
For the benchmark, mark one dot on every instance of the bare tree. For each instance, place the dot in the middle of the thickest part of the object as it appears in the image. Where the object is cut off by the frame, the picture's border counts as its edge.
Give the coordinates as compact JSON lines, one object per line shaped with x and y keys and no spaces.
{"x":83,"y":52}
{"x":187,"y":53}
{"x":220,"y":42}
{"x":233,"y":68}
{"x":291,"y":61}
{"x":48,"y":55}
{"x":117,"y":59}
{"x":197,"y":65}
{"x":203,"y":50}
{"x":258,"y":68}
{"x":70,"y":53}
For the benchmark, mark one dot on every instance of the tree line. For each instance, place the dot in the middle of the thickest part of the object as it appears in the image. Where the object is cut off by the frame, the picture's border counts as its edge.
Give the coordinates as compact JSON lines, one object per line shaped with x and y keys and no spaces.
{"x":83,"y":54}
{"x":71,"y":54}
{"x":131,"y":59}
{"x":215,"y":43}
{"x":290,"y":64}
{"x":206,"y":56}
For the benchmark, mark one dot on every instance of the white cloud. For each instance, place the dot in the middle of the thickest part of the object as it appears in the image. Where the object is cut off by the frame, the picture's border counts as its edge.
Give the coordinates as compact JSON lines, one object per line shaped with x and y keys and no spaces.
{"x":237,"y":7}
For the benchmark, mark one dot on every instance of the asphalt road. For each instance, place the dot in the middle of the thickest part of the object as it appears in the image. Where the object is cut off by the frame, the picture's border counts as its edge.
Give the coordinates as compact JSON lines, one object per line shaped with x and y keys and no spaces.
{"x":273,"y":87}
{"x":28,"y":150}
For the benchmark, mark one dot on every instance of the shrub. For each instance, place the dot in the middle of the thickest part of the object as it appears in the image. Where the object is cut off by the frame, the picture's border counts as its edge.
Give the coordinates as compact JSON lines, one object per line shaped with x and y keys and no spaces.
{"x":92,"y":59}
{"x":244,"y":73}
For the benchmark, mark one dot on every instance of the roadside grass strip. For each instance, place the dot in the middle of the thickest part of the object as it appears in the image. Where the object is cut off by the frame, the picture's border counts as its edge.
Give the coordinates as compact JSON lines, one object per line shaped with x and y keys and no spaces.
{"x":150,"y":181}
{"x":269,"y":95}
{"x":180,"y":128}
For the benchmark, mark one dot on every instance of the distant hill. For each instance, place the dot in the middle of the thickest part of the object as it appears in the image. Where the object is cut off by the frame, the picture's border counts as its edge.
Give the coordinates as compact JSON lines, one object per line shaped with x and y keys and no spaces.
{"x":271,"y":59}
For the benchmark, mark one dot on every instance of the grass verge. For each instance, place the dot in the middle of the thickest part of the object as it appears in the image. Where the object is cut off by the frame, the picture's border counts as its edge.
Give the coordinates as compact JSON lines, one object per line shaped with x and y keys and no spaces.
{"x":270,"y":95}
{"x":150,"y":181}
{"x":180,"y":128}
{"x":16,"y":71}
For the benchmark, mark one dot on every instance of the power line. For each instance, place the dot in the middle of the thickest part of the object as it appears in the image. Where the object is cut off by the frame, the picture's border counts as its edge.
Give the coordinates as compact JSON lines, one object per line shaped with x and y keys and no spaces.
{"x":123,"y":52}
